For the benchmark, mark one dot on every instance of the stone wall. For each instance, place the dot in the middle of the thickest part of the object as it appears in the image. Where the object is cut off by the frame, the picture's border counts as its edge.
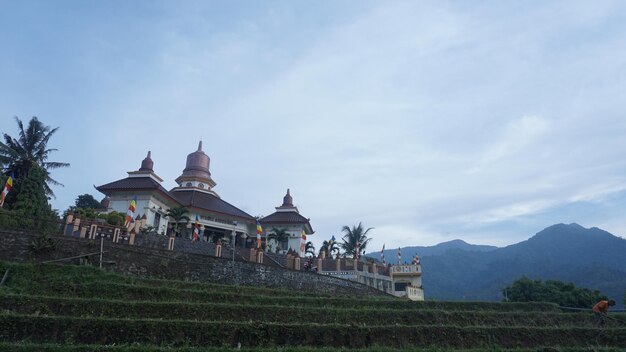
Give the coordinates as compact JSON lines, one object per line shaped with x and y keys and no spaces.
{"x":142,"y":261}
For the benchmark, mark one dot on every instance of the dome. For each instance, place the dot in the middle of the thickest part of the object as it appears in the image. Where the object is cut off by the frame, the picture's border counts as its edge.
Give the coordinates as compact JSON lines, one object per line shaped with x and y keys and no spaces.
{"x":147,"y":164}
{"x":197,"y":165}
{"x":287,"y":200}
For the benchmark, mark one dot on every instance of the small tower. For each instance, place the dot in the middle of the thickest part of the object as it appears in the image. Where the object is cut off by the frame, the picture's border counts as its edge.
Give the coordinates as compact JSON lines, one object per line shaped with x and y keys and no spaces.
{"x":407,"y":280}
{"x":196,"y":174}
{"x":146,"y":169}
{"x":289,"y":218}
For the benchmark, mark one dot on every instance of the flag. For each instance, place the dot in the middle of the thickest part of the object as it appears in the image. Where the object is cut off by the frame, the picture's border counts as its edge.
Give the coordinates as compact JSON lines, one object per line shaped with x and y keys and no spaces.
{"x":131,"y":211}
{"x":399,"y":256}
{"x":382,"y":255}
{"x":302,"y":241}
{"x":259,"y":231}
{"x":196,"y":231}
{"x":6,"y":189}
{"x":416,"y":260}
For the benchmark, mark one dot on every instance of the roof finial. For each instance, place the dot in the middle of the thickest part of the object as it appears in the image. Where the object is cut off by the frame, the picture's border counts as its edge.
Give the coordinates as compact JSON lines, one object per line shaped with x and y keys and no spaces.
{"x":149,"y":154}
{"x":287,"y":200}
{"x":200,"y":146}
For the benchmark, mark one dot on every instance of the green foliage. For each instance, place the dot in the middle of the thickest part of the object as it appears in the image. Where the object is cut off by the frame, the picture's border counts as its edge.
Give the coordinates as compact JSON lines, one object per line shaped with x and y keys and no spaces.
{"x":19,"y":155}
{"x":214,"y":311}
{"x":87,"y":201}
{"x":48,"y":347}
{"x":334,"y":248}
{"x":563,"y":294}
{"x":178,"y":215}
{"x":355,"y":237}
{"x":32,"y":200}
{"x":115,"y":218}
{"x":60,"y":308}
{"x":42,"y":244}
{"x":106,"y":331}
{"x":30,"y":210}
{"x":279,"y":235}
{"x":309,"y":248}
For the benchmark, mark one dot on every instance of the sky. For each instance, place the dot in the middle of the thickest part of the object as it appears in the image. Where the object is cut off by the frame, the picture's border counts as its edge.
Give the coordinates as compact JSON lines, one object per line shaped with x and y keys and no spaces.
{"x":426,"y":120}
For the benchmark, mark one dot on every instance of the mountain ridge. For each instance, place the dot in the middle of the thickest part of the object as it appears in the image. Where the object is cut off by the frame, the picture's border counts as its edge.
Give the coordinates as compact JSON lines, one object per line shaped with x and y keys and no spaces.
{"x":588,"y":257}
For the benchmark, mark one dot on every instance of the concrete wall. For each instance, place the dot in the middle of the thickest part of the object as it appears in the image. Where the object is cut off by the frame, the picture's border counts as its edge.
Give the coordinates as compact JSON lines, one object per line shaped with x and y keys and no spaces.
{"x":140,"y":261}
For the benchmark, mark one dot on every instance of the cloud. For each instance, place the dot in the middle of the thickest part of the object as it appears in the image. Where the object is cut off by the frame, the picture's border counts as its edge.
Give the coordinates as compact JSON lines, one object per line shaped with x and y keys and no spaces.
{"x":426,"y":120}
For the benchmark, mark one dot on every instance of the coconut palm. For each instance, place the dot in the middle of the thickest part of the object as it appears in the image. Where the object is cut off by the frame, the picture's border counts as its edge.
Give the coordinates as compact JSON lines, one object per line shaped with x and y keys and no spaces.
{"x":334,"y":248}
{"x":354,"y":240}
{"x":309,"y":248}
{"x":279,"y":235}
{"x":177,"y":215}
{"x":18,"y":155}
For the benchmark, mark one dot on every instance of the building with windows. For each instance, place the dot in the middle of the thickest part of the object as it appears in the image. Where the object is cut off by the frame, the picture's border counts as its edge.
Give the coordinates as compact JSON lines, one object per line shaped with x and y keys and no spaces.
{"x":288,"y":218}
{"x":194,"y":191}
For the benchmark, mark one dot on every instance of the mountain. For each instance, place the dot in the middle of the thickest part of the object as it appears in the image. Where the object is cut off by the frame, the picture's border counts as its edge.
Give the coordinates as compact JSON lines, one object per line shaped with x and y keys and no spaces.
{"x":408,"y":253}
{"x":590,"y":258}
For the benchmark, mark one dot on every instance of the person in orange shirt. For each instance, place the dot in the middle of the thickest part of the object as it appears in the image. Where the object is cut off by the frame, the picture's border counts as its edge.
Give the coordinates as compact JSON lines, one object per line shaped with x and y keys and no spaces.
{"x":601,"y":310}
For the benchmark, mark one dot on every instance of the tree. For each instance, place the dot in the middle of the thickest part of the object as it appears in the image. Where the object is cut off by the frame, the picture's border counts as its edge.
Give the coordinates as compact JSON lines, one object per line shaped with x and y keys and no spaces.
{"x":32,"y":200}
{"x":334,"y":248}
{"x":563,"y":294}
{"x":19,"y":155}
{"x":87,"y":201}
{"x":279,"y":235}
{"x":355,"y":237}
{"x":309,"y":248}
{"x":31,"y":204}
{"x":177,"y":214}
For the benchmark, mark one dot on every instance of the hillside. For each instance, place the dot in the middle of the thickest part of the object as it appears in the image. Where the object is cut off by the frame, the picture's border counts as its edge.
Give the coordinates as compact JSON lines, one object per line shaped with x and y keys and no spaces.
{"x":70,"y":308}
{"x":590,"y":258}
{"x":408,"y":253}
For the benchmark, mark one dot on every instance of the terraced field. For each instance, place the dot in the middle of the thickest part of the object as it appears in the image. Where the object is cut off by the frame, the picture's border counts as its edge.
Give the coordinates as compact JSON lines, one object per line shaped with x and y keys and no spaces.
{"x":69,"y":308}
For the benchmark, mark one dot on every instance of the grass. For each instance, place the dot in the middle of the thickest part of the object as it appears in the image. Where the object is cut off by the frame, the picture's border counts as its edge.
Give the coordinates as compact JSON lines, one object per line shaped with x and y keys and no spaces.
{"x":69,"y":308}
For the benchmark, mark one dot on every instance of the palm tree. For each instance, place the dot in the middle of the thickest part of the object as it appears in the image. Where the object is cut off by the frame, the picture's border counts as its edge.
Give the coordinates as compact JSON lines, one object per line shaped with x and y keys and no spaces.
{"x":177,"y":214}
{"x":279,"y":235}
{"x":309,"y":248}
{"x":355,"y":237}
{"x":334,"y":247}
{"x":18,"y":155}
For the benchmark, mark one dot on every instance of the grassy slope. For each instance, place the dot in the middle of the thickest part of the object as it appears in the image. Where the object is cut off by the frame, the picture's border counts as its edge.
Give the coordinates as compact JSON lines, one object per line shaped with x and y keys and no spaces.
{"x":68,"y":304}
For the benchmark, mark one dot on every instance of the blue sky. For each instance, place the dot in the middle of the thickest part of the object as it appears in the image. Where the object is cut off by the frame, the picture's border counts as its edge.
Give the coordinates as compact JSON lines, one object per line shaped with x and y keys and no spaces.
{"x":428,"y":120}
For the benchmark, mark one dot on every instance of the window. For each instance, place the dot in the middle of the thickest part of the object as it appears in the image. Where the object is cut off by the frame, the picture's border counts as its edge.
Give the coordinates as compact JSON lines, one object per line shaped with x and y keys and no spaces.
{"x":400,"y":286}
{"x":201,"y":185}
{"x":157,"y":221}
{"x":188,"y":184}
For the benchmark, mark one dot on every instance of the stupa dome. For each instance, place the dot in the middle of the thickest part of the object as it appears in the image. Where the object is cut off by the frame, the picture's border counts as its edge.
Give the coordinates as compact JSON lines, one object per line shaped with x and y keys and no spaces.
{"x":147,"y":164}
{"x":197,"y":165}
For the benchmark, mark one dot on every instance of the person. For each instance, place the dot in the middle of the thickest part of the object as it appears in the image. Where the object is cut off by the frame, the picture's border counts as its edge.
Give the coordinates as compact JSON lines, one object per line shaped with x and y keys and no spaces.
{"x":601,"y":309}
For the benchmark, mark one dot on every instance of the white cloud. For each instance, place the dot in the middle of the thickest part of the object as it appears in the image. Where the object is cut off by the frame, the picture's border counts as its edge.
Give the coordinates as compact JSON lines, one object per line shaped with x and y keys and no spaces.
{"x":427,"y":120}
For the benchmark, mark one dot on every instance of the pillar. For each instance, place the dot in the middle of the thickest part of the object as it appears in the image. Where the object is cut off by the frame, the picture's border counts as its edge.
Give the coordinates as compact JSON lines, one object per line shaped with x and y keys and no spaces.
{"x":252,"y":257}
{"x":93,"y":229}
{"x":116,"y":234}
{"x":296,"y":263}
{"x":320,"y":262}
{"x":259,"y":257}
{"x":170,"y":243}
{"x":218,"y":250}
{"x":131,"y":238}
{"x":83,"y":232}
{"x":76,"y":225}
{"x":68,"y":224}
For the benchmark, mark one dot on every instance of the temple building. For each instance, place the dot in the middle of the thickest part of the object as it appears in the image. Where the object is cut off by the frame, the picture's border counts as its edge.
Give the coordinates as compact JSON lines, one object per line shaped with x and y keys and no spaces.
{"x":194,"y":191}
{"x":288,"y":217}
